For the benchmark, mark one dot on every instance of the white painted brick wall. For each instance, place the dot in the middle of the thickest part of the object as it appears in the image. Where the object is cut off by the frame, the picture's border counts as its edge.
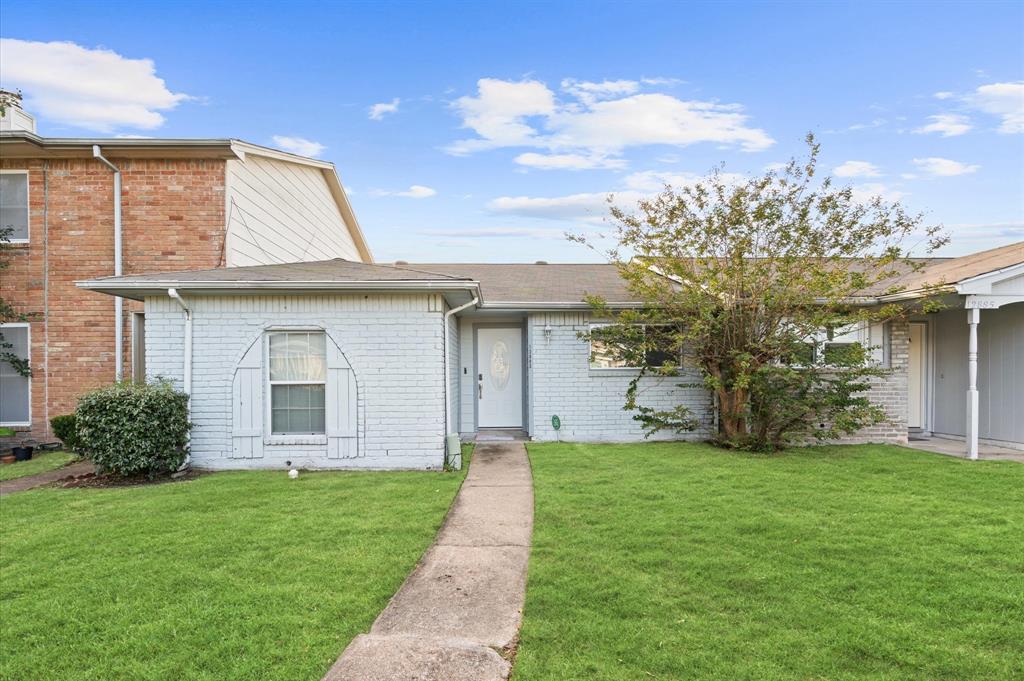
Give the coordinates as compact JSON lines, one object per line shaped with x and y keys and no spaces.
{"x":589,"y":401}
{"x":393,"y":343}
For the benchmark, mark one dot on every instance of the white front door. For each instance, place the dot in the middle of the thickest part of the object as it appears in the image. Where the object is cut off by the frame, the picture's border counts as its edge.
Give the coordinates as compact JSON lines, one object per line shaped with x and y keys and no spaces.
{"x":915,"y":376}
{"x":499,"y":385}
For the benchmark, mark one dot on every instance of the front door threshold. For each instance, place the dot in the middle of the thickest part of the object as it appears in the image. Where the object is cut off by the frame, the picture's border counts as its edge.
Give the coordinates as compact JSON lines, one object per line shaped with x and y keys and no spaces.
{"x":500,"y":435}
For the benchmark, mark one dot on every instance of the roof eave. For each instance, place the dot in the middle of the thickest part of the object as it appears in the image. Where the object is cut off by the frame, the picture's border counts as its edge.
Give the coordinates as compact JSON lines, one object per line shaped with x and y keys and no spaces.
{"x":139,"y":290}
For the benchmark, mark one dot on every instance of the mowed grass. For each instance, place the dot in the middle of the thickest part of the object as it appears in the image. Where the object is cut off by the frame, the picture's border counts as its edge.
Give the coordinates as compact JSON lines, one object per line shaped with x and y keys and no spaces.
{"x":39,"y":463}
{"x":243,"y":575}
{"x":680,"y":561}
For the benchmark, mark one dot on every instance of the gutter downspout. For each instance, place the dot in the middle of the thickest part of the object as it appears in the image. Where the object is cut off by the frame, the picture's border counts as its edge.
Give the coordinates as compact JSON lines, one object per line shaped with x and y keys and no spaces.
{"x":118,"y":301}
{"x":187,"y":367}
{"x":449,"y":442}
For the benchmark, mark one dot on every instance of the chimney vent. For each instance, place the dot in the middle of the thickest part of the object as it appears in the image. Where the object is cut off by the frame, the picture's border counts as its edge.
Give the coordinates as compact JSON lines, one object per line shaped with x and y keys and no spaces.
{"x":14,"y":117}
{"x":400,"y":262}
{"x":541,"y":262}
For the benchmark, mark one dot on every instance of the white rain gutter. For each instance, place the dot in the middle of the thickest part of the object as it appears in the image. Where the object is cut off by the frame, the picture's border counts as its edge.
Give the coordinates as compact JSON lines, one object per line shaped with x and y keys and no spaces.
{"x":187,"y":369}
{"x":118,"y":301}
{"x":447,"y":378}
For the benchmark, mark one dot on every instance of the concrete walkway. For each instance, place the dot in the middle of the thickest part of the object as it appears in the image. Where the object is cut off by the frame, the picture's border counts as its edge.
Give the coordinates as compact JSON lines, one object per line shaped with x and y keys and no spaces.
{"x":462,"y":605}
{"x":957,"y":448}
{"x":30,"y":481}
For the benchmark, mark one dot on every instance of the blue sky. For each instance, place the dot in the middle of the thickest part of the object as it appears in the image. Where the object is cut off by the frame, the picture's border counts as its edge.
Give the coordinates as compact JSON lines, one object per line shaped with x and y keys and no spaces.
{"x":504,"y":125}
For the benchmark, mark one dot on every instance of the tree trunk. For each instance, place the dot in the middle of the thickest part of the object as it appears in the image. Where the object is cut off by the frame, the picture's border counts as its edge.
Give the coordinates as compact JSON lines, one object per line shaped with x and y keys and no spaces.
{"x":732,"y":407}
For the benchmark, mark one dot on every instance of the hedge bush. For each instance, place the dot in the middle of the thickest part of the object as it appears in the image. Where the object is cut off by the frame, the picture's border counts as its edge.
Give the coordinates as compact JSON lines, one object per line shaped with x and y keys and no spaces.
{"x":66,"y":429}
{"x":134,"y":428}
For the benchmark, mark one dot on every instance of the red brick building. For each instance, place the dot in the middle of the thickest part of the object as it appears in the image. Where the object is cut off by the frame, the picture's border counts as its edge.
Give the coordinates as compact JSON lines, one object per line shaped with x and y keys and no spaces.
{"x":183,"y":204}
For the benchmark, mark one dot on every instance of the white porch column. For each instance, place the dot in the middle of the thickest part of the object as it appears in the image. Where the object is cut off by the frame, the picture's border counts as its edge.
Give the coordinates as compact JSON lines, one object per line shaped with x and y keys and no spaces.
{"x":973,"y":317}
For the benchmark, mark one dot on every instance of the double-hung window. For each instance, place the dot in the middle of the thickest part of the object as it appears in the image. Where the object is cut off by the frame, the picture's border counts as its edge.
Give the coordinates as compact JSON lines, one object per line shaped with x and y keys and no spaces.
{"x":15,"y":389}
{"x":297,"y":374}
{"x":14,"y":205}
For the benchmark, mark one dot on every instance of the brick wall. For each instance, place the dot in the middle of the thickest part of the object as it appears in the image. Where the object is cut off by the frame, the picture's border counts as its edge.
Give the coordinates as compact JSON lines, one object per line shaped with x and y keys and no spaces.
{"x":891,"y":391}
{"x":589,"y":401}
{"x":172,"y":218}
{"x":392,"y":343}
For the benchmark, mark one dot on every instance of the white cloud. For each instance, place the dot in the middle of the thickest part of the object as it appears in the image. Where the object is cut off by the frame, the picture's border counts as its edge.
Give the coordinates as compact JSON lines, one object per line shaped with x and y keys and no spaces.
{"x":94,"y":89}
{"x":944,"y":167}
{"x":593,"y":206}
{"x":589,"y":207}
{"x":378,"y":111}
{"x":654,"y":181}
{"x":499,"y":112}
{"x":298,"y":145}
{"x":864,"y":193}
{"x":604,"y":119}
{"x":857,"y":169}
{"x":416,"y":191}
{"x":568,"y":161}
{"x":1005,"y":100}
{"x":662,"y":81}
{"x":943,"y":95}
{"x":875,"y":123}
{"x":989,"y":230}
{"x":947,"y":125}
{"x":499,"y":232}
{"x":589,"y":93}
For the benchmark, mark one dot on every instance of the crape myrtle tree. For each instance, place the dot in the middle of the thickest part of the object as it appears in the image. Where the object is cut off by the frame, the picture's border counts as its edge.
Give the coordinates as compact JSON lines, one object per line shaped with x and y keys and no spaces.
{"x":739,"y":279}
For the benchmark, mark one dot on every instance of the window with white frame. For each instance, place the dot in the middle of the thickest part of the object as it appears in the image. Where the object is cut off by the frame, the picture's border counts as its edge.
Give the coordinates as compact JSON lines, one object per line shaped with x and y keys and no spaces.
{"x":15,"y":389}
{"x":297,"y":374}
{"x":831,"y":346}
{"x":605,"y":353}
{"x":14,"y":205}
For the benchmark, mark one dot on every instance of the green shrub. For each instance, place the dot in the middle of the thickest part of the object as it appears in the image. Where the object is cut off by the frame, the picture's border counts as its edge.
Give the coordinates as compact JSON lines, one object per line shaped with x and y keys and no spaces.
{"x":134,"y":428}
{"x":66,"y":429}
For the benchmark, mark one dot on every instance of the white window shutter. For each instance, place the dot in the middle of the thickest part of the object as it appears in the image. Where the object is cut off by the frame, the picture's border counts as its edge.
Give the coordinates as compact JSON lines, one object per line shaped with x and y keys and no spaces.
{"x":341,"y":404}
{"x":247,"y":405}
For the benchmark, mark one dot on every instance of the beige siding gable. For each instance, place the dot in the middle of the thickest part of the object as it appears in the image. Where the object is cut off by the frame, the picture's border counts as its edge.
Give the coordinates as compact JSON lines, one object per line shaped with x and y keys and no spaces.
{"x":280,"y":212}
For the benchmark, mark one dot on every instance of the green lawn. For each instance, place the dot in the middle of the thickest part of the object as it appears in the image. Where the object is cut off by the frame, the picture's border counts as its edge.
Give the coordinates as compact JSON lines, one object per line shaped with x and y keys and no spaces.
{"x":229,"y":576}
{"x":39,"y":463}
{"x":676,"y":561}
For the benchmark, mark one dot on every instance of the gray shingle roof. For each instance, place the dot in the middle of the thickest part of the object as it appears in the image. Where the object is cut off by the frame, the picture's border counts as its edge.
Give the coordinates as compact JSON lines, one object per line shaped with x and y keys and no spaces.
{"x":323,"y":271}
{"x":538,"y":283}
{"x":507,"y":284}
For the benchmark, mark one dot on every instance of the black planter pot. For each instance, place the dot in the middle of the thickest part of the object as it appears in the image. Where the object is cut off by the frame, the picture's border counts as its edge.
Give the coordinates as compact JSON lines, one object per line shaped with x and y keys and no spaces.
{"x":22,"y":453}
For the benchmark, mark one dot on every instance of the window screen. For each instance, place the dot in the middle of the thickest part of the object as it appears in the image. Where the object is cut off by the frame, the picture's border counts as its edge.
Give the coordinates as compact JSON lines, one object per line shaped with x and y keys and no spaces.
{"x":14,"y":388}
{"x":14,"y":205}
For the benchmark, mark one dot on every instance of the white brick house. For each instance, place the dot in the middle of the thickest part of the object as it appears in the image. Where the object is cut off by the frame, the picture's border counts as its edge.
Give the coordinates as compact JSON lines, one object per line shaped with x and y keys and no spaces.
{"x":339,"y":364}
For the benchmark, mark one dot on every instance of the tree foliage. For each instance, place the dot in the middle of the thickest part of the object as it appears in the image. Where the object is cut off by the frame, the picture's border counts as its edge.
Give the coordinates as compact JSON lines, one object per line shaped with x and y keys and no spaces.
{"x":740,"y":278}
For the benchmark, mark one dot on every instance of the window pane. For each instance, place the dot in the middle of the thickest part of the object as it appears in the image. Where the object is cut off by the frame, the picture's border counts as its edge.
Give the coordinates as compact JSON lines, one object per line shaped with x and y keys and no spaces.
{"x":297,"y":409}
{"x":298,"y":396}
{"x":15,"y":341}
{"x":14,"y":388}
{"x":317,"y":420}
{"x":14,"y":204}
{"x":842,"y":354}
{"x":297,"y":356}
